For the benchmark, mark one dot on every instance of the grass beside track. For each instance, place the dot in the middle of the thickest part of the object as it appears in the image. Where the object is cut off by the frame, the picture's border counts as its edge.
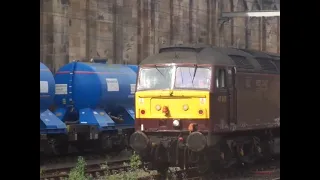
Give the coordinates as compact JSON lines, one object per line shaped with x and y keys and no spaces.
{"x":131,"y":170}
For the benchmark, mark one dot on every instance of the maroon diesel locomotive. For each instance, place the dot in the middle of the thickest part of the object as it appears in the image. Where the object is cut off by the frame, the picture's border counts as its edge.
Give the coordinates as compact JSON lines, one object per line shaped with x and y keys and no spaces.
{"x":207,"y":106}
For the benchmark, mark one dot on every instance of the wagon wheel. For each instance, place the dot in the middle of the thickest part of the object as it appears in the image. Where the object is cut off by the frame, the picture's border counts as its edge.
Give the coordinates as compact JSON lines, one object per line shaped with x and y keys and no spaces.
{"x":106,"y":143}
{"x":58,"y":147}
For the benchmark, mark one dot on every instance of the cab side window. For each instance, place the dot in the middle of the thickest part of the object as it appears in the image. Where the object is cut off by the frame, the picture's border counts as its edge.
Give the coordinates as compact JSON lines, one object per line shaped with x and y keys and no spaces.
{"x":220,"y":78}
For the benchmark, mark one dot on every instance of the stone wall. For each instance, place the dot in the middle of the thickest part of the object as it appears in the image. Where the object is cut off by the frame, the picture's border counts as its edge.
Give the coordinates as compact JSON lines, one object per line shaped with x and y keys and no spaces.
{"x":126,"y":31}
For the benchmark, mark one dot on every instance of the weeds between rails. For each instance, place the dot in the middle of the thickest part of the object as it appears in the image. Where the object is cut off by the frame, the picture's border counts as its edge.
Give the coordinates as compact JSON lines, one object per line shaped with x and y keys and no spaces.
{"x":94,"y":169}
{"x":112,"y":169}
{"x":132,"y":171}
{"x":263,"y":167}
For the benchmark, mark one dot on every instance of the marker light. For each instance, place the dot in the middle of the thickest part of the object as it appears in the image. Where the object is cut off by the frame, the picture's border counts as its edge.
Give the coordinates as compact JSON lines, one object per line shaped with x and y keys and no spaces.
{"x":176,"y":123}
{"x":158,"y":107}
{"x":142,"y":111}
{"x":185,"y":107}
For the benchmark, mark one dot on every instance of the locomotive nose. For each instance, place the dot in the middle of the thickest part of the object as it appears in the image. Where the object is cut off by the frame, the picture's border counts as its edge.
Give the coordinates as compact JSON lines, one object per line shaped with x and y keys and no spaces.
{"x":139,"y":141}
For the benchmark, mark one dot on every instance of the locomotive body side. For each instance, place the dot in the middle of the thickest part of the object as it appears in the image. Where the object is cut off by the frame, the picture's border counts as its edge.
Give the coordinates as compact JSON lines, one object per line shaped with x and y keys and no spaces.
{"x":226,"y":101}
{"x":255,"y":103}
{"x":258,"y":100}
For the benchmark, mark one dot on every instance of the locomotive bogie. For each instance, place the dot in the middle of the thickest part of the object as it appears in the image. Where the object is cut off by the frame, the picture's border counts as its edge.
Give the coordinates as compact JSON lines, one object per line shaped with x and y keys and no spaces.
{"x":224,"y":150}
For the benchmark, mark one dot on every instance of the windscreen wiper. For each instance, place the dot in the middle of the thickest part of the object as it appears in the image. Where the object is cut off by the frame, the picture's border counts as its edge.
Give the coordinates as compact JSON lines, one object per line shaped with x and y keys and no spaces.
{"x":159,"y":71}
{"x":194,"y":74}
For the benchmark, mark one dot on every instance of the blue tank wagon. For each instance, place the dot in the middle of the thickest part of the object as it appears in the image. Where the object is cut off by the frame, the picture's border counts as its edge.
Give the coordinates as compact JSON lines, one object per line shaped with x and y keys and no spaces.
{"x":134,"y":68}
{"x":96,"y":101}
{"x":53,"y":132}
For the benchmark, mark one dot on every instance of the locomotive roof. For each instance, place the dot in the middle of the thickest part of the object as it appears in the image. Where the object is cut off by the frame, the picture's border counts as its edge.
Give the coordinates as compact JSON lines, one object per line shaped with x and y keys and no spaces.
{"x":206,"y":54}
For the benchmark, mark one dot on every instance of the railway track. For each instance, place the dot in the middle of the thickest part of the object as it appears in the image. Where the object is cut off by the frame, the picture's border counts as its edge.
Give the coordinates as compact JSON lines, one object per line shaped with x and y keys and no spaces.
{"x":94,"y":169}
{"x":269,"y":171}
{"x":59,"y":167}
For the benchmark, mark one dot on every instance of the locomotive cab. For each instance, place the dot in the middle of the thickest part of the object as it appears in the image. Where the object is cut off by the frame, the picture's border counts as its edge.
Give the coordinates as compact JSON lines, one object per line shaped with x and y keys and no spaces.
{"x":225,"y":93}
{"x":172,"y":96}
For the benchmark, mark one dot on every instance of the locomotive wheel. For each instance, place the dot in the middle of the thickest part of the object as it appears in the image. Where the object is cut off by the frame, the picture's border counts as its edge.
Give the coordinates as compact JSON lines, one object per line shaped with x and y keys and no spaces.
{"x":160,"y":154}
{"x":204,"y":164}
{"x":266,"y":147}
{"x":204,"y":167}
{"x":249,"y":154}
{"x":227,"y":156}
{"x":162,"y":169}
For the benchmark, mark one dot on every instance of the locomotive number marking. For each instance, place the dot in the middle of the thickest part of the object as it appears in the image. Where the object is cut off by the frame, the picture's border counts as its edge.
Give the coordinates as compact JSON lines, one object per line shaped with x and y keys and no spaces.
{"x":262,"y":85}
{"x":248,"y":83}
{"x":222,"y":99}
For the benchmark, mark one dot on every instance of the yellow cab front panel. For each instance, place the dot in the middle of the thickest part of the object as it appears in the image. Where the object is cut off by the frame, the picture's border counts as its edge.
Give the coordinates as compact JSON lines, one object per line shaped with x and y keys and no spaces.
{"x":176,"y":104}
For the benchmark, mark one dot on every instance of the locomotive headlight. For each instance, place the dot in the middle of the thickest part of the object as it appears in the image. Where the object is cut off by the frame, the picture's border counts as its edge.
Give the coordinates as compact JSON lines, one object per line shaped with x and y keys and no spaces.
{"x":185,"y":107}
{"x":176,"y":123}
{"x":158,"y":107}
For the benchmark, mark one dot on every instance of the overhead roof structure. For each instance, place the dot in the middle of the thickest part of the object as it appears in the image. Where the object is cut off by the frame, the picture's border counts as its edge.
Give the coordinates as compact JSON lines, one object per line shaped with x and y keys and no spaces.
{"x":274,"y":10}
{"x":251,"y":14}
